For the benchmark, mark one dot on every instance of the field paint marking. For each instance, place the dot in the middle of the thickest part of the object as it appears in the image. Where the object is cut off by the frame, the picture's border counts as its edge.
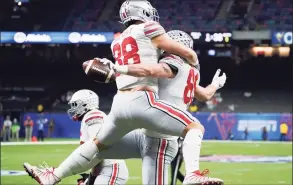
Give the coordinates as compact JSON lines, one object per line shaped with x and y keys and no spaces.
{"x":41,"y":143}
{"x":248,"y":142}
{"x":77,"y":142}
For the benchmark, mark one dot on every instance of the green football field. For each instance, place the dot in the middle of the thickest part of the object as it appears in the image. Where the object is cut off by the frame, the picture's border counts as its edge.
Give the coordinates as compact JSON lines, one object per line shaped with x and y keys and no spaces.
{"x":12,"y":158}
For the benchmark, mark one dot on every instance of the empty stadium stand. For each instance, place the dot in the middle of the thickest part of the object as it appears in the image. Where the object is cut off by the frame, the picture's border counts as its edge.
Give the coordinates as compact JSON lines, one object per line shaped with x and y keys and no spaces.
{"x":188,"y":15}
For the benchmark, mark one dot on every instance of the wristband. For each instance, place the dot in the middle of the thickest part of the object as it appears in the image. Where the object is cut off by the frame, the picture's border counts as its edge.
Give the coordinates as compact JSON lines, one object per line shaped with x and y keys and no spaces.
{"x":121,"y":69}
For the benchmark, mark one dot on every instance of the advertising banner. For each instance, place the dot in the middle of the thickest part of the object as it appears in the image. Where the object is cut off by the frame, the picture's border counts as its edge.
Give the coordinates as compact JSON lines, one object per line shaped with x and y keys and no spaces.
{"x":282,"y":38}
{"x":220,"y":125}
{"x":56,"y":37}
{"x":217,"y":125}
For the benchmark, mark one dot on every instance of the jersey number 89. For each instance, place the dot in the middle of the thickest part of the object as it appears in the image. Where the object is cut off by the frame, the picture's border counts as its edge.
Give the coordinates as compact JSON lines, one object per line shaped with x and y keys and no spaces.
{"x":121,"y":50}
{"x":190,"y":86}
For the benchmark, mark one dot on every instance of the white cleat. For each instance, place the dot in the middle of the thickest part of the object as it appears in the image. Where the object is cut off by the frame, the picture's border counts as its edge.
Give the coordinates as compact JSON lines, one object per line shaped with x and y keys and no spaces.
{"x":198,"y":178}
{"x":44,"y":174}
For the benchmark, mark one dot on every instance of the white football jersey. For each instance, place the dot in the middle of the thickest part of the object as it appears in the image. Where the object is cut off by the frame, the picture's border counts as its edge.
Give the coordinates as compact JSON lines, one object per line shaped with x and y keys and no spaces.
{"x":134,"y":46}
{"x":178,"y":90}
{"x":90,"y":126}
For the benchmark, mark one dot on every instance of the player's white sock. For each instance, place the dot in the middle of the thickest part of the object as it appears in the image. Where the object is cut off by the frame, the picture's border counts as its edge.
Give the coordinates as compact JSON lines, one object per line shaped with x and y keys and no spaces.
{"x":191,"y":150}
{"x":80,"y":160}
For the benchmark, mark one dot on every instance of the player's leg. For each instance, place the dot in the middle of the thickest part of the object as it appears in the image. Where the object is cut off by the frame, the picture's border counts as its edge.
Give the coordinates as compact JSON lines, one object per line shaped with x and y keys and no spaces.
{"x":123,"y":121}
{"x":114,"y":174}
{"x":153,"y":114}
{"x":84,"y":158}
{"x":30,"y":133}
{"x":16,"y":136}
{"x":26,"y":134}
{"x":80,"y":160}
{"x":157,"y":155}
{"x":166,"y":118}
{"x":175,"y":166}
{"x":126,"y":148}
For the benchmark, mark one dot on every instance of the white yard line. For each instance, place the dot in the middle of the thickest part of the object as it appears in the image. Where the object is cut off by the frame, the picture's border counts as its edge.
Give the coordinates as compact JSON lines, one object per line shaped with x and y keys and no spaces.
{"x":245,"y":141}
{"x":40,"y":143}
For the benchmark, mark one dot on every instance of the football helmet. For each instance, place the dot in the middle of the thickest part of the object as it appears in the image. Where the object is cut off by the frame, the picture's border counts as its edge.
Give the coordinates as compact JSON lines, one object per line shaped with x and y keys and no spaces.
{"x":181,"y":37}
{"x":81,"y":102}
{"x":140,"y":10}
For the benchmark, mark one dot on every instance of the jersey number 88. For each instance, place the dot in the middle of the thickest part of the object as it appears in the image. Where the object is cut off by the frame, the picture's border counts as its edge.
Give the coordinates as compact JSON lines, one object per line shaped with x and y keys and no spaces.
{"x":121,"y":50}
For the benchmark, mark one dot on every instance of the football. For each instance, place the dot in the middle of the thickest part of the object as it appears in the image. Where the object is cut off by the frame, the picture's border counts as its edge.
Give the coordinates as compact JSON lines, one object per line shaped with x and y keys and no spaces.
{"x":98,"y":71}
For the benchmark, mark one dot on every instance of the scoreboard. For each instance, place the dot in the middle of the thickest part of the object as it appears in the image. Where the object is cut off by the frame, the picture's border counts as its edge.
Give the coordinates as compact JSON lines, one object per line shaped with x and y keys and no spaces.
{"x":212,"y":37}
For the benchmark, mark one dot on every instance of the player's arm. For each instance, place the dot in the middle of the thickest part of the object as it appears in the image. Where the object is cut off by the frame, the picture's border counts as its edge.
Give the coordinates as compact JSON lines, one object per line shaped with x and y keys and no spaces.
{"x":160,"y":39}
{"x":165,"y":43}
{"x":160,"y":70}
{"x":89,"y":129}
{"x":166,"y":68}
{"x":206,"y":93}
{"x":90,"y":125}
{"x":93,"y":123}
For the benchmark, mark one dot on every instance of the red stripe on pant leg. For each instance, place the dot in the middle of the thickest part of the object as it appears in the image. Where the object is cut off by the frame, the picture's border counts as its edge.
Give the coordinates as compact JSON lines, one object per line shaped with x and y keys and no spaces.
{"x":169,"y":109}
{"x":161,"y":162}
{"x":114,"y":174}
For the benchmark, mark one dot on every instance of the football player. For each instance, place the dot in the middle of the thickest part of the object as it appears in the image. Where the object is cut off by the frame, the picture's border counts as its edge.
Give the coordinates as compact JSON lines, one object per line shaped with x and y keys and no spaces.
{"x":178,"y":85}
{"x":142,"y":142}
{"x":85,"y":108}
{"x":136,"y":104}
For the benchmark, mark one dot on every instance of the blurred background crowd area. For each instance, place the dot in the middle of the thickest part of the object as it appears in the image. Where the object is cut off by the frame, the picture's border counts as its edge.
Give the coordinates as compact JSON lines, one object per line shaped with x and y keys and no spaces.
{"x":102,"y":15}
{"x":250,"y":40}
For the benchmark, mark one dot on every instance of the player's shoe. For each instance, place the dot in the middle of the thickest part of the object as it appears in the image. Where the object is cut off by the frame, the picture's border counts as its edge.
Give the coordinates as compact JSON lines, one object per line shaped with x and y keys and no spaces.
{"x":199,"y":178}
{"x":44,"y":174}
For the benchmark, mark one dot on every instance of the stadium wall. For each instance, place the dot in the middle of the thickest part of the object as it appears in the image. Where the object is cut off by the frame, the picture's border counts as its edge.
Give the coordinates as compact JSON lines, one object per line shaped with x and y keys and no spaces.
{"x":1,"y":121}
{"x":217,"y":125}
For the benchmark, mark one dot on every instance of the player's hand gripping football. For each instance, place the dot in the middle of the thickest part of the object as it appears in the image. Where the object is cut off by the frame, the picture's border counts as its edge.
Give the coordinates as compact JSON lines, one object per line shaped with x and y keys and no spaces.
{"x":106,"y":61}
{"x":116,"y":68}
{"x":219,"y":81}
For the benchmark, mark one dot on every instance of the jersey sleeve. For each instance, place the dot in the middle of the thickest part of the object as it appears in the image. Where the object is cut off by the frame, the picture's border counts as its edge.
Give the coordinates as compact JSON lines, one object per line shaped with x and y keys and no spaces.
{"x":94,"y":117}
{"x":153,"y":29}
{"x":91,"y":124}
{"x":172,"y":60}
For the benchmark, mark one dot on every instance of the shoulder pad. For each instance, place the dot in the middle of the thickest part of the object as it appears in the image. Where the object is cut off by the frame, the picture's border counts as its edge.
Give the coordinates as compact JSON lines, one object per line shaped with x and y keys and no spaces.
{"x":153,"y":29}
{"x":93,"y":117}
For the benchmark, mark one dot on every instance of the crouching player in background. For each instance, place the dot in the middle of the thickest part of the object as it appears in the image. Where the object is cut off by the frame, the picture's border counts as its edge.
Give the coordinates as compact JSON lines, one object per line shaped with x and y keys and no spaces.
{"x":84,"y":107}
